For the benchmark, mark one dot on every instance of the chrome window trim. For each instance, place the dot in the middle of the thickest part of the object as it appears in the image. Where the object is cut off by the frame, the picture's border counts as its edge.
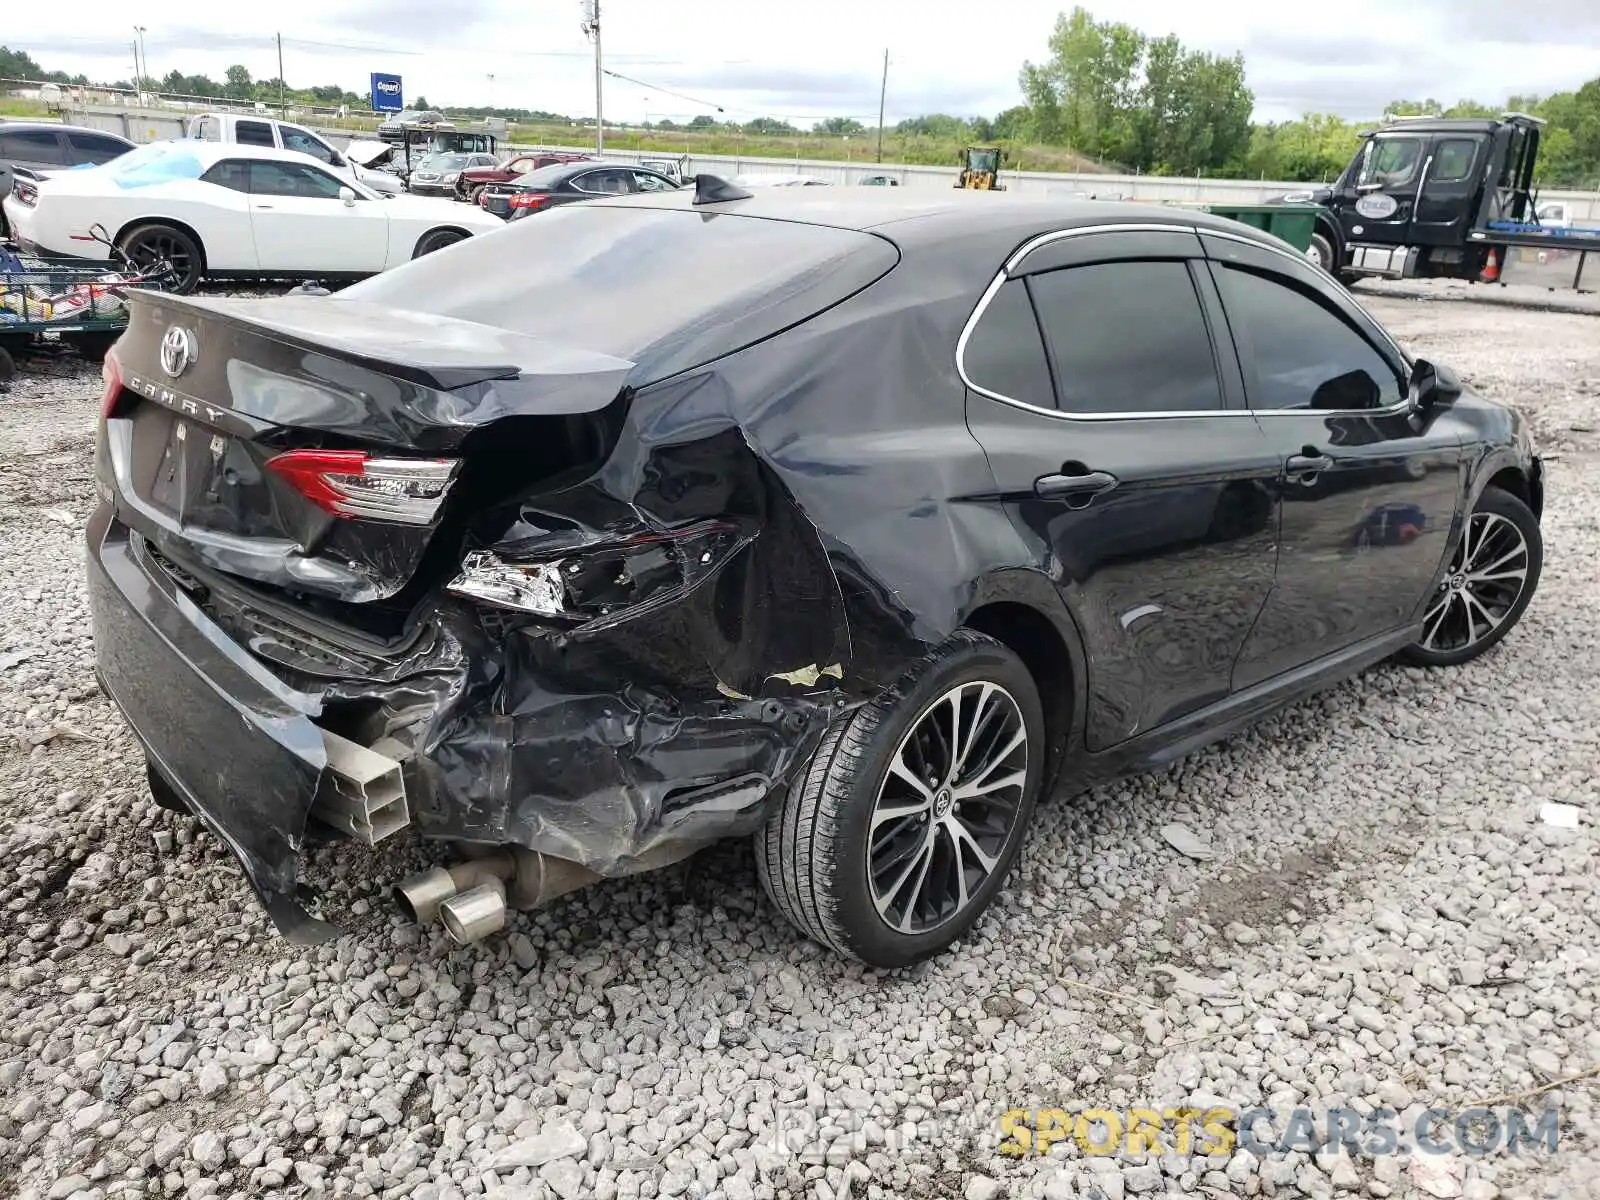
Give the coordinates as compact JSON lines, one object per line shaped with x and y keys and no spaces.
{"x":1005,"y":274}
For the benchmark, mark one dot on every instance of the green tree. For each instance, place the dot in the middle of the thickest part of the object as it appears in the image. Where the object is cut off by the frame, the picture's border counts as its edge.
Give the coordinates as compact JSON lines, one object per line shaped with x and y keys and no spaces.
{"x":238,"y":86}
{"x":841,"y":127}
{"x":703,"y":121}
{"x":769,"y":127}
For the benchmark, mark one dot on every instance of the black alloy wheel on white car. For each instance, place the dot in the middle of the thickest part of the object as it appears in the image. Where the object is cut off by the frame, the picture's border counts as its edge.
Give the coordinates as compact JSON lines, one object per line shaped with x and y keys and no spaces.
{"x":912,"y":812}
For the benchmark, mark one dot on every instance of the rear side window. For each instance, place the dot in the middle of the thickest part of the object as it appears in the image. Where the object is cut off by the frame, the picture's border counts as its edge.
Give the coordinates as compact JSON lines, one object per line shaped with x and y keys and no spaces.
{"x":253,"y":133}
{"x":1005,"y":353}
{"x":1127,"y":337}
{"x":613,"y":181}
{"x":94,"y":148}
{"x":1296,"y":353}
{"x":39,"y":146}
{"x":664,"y":288}
{"x":232,"y":173}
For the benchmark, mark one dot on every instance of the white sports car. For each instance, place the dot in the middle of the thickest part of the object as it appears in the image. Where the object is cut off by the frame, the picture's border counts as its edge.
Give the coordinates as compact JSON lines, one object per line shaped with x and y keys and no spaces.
{"x":220,"y":210}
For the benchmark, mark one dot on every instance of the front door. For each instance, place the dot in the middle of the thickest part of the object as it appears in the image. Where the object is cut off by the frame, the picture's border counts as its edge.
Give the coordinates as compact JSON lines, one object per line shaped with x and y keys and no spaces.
{"x":302,"y":226}
{"x":1377,"y":197}
{"x":1367,"y":490}
{"x":1444,"y":201}
{"x":1117,"y":447}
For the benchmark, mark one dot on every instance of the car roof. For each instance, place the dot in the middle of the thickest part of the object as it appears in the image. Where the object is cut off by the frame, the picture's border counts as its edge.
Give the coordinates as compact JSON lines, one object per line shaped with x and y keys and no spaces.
{"x":910,"y":217}
{"x":210,"y":152}
{"x":32,"y":126}
{"x":1441,"y":125}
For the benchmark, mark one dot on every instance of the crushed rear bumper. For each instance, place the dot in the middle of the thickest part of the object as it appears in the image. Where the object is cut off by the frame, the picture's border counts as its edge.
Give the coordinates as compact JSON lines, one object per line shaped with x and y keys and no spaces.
{"x":601,"y":755}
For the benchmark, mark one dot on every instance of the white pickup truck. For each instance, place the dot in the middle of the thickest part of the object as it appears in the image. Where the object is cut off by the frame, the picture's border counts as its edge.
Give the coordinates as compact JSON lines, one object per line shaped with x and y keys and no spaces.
{"x":265,"y":131}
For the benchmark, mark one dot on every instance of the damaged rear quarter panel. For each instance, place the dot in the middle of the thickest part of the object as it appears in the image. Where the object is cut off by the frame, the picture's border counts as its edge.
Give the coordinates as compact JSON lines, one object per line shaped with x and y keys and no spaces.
{"x":624,"y":746}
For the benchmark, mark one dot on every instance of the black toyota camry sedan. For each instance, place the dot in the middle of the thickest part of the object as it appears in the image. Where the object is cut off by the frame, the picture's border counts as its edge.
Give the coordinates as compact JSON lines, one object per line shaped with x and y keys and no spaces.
{"x":852,"y":521}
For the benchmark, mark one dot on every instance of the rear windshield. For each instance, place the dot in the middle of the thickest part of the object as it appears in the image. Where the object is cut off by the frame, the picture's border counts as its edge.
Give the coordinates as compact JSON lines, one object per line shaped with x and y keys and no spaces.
{"x":667,"y":289}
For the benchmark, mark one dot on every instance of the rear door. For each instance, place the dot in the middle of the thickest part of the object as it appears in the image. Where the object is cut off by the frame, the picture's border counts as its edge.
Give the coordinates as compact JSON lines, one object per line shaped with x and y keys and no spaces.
{"x":1121,"y":448}
{"x":1377,"y":197}
{"x":1367,"y":492}
{"x":301,"y":224}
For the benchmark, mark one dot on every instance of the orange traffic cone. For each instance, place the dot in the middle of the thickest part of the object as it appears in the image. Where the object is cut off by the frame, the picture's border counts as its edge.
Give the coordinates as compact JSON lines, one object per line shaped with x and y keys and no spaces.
{"x":1491,"y":267}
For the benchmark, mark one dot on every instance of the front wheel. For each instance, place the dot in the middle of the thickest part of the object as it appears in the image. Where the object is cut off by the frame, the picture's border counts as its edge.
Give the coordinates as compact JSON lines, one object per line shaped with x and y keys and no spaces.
{"x":1492,"y":577}
{"x":906,"y":822}
{"x":1320,"y":254}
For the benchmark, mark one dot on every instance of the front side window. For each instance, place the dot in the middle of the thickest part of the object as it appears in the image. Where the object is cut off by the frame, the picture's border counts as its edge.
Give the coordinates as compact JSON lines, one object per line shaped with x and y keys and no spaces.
{"x":1005,"y":354}
{"x":1127,"y":337}
{"x":646,"y":182}
{"x":292,"y":179}
{"x":1452,"y":162}
{"x":1390,"y":162}
{"x":1297,"y":353}
{"x":253,"y":133}
{"x":305,"y":143}
{"x":95,"y":148}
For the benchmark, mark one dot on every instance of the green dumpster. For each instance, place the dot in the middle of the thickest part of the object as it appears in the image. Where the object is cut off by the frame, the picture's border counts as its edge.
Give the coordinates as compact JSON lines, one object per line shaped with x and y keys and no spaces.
{"x":1294,"y":223}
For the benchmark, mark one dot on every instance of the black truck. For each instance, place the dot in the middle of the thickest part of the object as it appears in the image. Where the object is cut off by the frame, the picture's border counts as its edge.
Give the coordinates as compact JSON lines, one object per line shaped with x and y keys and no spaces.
{"x":1438,"y":197}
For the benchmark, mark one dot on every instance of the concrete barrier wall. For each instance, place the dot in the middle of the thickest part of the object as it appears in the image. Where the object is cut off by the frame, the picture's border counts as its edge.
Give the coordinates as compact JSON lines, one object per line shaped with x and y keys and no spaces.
{"x":146,"y":125}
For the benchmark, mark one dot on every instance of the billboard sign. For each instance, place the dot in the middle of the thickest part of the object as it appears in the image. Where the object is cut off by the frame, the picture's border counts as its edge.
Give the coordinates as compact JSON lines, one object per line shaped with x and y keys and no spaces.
{"x":386,"y":97}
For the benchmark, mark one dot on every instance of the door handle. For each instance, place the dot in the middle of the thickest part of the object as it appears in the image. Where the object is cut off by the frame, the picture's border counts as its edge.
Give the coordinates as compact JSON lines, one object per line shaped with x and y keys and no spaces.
{"x":1083,"y":483}
{"x":1310,"y":461}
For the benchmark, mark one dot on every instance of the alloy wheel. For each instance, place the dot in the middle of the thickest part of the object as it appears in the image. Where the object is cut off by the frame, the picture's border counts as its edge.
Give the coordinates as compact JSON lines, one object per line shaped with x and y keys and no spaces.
{"x":149,"y":249}
{"x":947,"y":806}
{"x":1485,"y":580}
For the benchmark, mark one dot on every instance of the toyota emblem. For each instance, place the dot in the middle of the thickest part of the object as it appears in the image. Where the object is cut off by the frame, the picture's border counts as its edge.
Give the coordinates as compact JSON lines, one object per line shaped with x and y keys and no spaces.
{"x":178,"y":351}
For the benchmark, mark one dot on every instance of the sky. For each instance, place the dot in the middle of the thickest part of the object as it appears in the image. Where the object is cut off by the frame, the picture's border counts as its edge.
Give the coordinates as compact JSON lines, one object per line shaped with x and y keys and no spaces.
{"x":803,"y":60}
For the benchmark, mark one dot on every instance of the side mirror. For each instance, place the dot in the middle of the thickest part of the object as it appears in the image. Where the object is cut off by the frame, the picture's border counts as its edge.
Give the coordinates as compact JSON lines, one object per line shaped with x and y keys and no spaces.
{"x":1432,"y":386}
{"x":348,"y":195}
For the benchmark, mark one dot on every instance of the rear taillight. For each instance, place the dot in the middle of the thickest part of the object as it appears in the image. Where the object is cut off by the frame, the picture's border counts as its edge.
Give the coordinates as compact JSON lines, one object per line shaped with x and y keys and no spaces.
{"x":605,"y":580}
{"x":110,"y":384}
{"x":528,"y":200}
{"x":352,"y":483}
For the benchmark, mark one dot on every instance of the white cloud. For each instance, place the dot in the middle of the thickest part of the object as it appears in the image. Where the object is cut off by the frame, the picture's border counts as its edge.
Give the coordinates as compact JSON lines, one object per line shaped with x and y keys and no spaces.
{"x":817,"y":58}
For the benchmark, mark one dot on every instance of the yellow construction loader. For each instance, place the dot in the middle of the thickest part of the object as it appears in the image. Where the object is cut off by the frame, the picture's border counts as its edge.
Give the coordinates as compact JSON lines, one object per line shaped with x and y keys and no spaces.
{"x":980,"y":169}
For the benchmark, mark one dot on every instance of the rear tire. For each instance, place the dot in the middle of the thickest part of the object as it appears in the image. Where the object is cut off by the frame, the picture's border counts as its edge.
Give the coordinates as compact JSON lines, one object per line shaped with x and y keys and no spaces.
{"x":438,"y":239}
{"x":146,"y":245}
{"x":1493,"y":573}
{"x":884,"y":849}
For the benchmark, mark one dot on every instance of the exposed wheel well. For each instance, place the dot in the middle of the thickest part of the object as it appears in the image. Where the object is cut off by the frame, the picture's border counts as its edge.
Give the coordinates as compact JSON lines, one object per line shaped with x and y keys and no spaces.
{"x":1512,"y":479}
{"x":1030,"y":635}
{"x":142,"y":222}
{"x":433,"y":233}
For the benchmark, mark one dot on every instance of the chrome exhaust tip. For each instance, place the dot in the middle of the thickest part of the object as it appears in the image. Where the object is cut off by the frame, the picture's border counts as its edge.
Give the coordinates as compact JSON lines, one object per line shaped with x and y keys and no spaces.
{"x":419,"y":896}
{"x":474,"y":913}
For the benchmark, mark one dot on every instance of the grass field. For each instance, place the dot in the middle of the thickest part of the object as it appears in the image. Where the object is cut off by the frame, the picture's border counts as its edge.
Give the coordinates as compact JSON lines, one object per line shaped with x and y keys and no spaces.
{"x":912,"y":150}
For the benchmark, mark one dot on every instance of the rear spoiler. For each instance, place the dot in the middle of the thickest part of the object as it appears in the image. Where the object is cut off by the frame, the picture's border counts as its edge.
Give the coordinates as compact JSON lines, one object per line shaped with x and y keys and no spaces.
{"x":442,"y":353}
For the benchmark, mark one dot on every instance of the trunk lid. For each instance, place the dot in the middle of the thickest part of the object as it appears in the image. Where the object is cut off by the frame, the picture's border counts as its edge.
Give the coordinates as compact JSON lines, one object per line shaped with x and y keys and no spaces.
{"x":322,"y":446}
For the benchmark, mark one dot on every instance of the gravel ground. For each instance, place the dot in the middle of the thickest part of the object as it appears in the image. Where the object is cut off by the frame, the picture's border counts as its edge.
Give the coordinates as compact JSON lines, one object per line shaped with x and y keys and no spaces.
{"x":1383,"y":921}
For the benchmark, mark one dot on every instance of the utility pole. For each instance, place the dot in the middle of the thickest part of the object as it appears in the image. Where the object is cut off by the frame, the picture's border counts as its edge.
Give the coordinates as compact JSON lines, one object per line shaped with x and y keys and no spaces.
{"x":283,"y":106}
{"x":883,"y":93}
{"x":591,"y":28}
{"x":136,"y":74}
{"x":140,"y":62}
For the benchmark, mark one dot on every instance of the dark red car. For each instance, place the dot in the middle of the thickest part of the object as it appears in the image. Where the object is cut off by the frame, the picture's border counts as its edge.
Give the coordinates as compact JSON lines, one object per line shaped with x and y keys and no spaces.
{"x":475,"y":180}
